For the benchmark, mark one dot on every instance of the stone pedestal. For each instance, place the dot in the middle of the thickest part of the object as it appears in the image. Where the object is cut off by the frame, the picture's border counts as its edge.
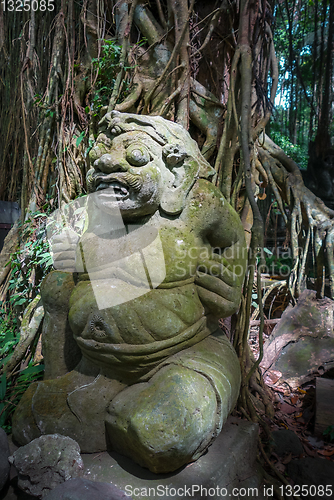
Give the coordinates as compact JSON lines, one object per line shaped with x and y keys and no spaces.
{"x":229,"y":463}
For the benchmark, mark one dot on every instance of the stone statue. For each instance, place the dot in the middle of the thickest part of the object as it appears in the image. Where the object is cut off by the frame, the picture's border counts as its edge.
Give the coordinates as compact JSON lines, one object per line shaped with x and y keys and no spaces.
{"x":135,"y":360}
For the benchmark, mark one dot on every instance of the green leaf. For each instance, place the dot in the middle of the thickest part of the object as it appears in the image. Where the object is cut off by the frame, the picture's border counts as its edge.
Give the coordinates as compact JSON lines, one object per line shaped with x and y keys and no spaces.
{"x":30,"y":370}
{"x":330,"y":432}
{"x":80,"y":138}
{"x":20,"y":302}
{"x":3,"y":386}
{"x":267,"y":251}
{"x":6,"y":359}
{"x":3,"y":415}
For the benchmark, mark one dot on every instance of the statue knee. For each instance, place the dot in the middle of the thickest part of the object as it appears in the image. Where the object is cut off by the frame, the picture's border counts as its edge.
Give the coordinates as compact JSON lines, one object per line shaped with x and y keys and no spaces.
{"x":164,"y":423}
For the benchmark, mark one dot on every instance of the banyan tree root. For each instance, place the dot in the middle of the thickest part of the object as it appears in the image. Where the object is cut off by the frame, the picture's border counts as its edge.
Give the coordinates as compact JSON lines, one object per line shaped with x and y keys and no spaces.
{"x":31,"y":321}
{"x":310,"y":222}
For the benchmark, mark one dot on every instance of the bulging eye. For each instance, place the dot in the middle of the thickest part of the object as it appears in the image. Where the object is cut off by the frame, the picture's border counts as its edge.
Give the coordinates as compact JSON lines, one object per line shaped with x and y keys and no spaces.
{"x":137,"y":155}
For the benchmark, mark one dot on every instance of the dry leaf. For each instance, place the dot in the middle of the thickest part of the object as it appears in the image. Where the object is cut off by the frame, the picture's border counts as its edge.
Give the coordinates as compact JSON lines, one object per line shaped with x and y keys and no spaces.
{"x":294,"y":399}
{"x":280,"y":467}
{"x":287,"y":459}
{"x":308,"y":450}
{"x":272,"y":376}
{"x":326,"y":453}
{"x":288,"y":409}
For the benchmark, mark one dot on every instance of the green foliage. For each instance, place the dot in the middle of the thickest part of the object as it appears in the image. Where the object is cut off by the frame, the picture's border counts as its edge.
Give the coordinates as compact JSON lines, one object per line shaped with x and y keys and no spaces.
{"x":47,"y":110}
{"x":30,"y":263}
{"x":329,"y":432}
{"x":279,"y":265}
{"x":12,"y":390}
{"x":298,"y":153}
{"x":9,"y":335}
{"x":298,"y":46}
{"x":107,"y":68}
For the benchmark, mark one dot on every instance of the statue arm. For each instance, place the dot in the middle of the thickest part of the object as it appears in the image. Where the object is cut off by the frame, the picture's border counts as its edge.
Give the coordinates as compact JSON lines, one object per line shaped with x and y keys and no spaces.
{"x":60,"y":351}
{"x":220,"y":276}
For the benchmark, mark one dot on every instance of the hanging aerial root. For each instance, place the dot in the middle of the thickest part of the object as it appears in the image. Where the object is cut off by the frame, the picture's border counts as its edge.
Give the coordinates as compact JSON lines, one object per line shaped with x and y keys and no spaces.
{"x":125,"y":45}
{"x":330,"y":259}
{"x":172,"y":58}
{"x":306,"y":210}
{"x":131,"y":99}
{"x":277,"y":284}
{"x":32,"y":318}
{"x":301,"y":276}
{"x":265,"y":161}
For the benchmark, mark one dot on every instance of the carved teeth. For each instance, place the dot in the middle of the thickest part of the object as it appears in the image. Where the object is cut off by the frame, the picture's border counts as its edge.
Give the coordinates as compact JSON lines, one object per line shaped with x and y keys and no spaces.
{"x":119,"y":190}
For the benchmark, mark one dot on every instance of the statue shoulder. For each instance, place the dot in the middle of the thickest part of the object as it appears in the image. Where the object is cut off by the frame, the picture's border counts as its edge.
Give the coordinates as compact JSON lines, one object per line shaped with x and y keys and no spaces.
{"x":205,"y":198}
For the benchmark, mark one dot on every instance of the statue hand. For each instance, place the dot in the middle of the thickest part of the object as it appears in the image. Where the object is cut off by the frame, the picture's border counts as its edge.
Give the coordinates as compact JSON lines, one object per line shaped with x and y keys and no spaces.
{"x":64,"y":247}
{"x":218,"y":286}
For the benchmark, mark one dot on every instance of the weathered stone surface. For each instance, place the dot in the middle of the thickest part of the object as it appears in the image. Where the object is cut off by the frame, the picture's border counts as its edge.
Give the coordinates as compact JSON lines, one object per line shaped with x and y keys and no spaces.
{"x":4,"y":454}
{"x":286,"y":441}
{"x":60,"y":351}
{"x":83,"y":489}
{"x":139,"y":418}
{"x":46,"y":462}
{"x":302,"y":344}
{"x":324,"y":405}
{"x":229,"y":463}
{"x":313,"y":471}
{"x":161,"y":259}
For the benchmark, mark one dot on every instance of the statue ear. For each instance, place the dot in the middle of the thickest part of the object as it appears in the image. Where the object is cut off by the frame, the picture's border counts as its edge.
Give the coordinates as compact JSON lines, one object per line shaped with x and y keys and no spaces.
{"x":184,"y":170}
{"x":90,"y":180}
{"x":173,"y":154}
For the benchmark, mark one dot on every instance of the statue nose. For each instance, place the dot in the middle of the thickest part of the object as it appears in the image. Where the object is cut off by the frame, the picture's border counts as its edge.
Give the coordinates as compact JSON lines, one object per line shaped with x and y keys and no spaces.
{"x":108,"y":163}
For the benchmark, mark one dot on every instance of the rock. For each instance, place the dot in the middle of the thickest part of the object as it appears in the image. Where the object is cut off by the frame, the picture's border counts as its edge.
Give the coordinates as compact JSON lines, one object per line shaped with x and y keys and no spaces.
{"x":313,"y":471}
{"x":4,"y":454}
{"x":324,"y":416}
{"x":83,"y":489}
{"x":46,"y":462}
{"x":286,"y":441}
{"x":302,"y":344}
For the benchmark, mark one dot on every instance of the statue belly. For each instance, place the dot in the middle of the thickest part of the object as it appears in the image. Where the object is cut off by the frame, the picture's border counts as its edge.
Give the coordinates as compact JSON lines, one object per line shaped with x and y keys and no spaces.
{"x":141,"y":332}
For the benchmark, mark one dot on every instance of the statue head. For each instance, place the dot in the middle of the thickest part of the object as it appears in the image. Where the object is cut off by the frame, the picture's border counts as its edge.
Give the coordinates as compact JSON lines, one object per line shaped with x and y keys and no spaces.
{"x":146,"y":162}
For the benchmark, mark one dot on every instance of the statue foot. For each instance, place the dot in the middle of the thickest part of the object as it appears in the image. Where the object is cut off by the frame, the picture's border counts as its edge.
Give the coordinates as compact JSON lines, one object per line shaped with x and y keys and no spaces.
{"x":165,"y":423}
